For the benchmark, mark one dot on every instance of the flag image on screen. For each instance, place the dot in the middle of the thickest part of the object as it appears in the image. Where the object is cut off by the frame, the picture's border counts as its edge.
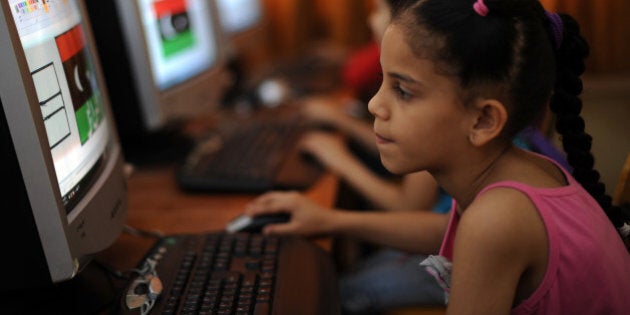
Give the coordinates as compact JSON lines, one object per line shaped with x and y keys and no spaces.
{"x":78,"y":71}
{"x":174,"y":26}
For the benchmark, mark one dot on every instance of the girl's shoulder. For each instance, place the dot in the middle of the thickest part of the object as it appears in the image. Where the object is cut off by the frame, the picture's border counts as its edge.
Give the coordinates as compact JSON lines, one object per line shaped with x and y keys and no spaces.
{"x":501,"y":235}
{"x":500,"y":206}
{"x":502,"y":218}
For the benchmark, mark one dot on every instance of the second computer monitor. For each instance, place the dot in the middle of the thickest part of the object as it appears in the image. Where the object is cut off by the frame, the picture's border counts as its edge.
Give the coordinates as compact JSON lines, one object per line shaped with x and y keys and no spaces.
{"x":163,"y":63}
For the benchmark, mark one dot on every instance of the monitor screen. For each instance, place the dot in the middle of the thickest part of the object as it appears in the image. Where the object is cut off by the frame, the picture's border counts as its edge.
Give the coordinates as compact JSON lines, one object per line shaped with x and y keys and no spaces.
{"x":70,"y":100}
{"x":162,"y":61}
{"x":56,"y":123}
{"x":239,"y":15}
{"x":180,"y":39}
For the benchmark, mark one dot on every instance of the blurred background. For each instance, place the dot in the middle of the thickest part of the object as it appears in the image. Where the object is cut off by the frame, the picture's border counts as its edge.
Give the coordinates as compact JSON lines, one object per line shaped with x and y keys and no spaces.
{"x":295,"y":27}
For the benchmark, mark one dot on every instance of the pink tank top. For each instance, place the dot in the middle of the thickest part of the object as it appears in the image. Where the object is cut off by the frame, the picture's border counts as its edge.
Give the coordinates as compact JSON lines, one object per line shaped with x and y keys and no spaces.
{"x":589,"y":267}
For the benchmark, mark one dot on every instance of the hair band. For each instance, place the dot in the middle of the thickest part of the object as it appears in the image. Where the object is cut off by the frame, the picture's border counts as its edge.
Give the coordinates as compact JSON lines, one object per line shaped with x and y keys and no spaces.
{"x":481,"y":8}
{"x":557,"y":27}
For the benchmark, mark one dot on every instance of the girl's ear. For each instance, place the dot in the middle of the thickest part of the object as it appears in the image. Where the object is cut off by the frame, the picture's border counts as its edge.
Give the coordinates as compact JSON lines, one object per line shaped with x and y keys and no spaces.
{"x":490,"y":117}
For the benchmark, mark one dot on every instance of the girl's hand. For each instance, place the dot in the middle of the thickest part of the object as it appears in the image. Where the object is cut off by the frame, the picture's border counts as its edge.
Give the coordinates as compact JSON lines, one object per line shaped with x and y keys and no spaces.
{"x":307,"y":218}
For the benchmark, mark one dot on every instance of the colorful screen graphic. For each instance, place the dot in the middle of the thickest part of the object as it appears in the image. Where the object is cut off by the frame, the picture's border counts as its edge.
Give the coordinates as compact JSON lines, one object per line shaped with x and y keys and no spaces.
{"x":174,"y":26}
{"x":62,"y":70}
{"x":87,"y":106}
{"x":180,"y":39}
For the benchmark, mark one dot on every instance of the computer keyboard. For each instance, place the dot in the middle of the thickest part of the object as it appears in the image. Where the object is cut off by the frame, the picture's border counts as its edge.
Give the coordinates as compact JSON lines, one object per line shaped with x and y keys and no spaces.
{"x":253,"y":157}
{"x":242,"y":273}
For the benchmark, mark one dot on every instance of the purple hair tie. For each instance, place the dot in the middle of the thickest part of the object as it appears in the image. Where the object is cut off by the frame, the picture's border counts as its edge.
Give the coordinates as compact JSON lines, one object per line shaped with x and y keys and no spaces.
{"x":556,"y":27}
{"x":481,"y":8}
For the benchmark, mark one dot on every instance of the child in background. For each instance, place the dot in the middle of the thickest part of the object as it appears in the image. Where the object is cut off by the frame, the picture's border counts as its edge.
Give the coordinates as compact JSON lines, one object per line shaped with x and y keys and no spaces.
{"x":460,"y":79}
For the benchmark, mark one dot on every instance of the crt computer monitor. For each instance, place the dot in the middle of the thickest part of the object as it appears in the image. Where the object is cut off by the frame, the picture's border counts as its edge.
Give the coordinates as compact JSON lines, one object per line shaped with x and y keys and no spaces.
{"x":162,"y":62}
{"x":64,"y":193}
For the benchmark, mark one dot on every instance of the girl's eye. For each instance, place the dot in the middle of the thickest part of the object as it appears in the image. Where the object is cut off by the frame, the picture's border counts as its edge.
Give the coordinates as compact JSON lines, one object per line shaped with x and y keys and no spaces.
{"x":401,"y":93}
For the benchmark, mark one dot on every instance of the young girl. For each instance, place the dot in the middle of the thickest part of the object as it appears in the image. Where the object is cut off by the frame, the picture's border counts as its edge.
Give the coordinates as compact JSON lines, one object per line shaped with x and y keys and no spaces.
{"x":460,"y":78}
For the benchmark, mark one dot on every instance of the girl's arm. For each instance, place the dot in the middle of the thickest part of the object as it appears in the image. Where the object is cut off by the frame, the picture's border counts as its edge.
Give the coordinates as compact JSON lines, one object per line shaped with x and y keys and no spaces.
{"x":413,"y":231}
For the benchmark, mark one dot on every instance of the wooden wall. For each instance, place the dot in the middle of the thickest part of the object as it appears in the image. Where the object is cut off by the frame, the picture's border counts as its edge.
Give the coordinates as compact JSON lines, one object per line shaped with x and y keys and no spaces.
{"x":606,"y":25}
{"x":294,"y":24}
{"x":297,"y":24}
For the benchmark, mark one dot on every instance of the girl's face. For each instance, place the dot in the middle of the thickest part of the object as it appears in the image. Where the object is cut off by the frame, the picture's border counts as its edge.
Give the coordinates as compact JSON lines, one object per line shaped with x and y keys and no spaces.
{"x":379,"y":18}
{"x":420,"y":121}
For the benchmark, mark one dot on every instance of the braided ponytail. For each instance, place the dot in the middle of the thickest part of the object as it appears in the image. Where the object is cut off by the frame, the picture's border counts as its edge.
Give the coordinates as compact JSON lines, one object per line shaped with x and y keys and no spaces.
{"x":567,"y":105}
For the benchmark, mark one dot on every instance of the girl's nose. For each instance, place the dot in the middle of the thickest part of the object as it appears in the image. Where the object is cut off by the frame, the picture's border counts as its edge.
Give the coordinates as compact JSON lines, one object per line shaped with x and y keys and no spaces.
{"x":376,"y":106}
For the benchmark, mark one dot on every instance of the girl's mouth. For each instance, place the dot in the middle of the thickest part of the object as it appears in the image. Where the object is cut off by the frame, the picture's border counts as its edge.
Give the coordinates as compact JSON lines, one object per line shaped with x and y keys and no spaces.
{"x":382,"y":140}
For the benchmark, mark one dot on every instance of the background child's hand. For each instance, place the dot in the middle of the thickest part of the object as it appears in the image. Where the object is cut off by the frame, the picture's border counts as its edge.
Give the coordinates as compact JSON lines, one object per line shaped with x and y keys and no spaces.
{"x":324,"y":110}
{"x":328,"y":148}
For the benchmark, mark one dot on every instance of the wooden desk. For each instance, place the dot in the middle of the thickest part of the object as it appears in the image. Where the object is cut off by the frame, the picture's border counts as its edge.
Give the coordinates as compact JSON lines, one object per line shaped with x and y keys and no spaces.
{"x":157,"y":204}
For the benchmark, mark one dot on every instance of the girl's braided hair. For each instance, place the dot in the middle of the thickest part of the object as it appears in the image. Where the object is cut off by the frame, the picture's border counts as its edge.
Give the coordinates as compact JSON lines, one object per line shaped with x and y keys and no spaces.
{"x":534,"y":57}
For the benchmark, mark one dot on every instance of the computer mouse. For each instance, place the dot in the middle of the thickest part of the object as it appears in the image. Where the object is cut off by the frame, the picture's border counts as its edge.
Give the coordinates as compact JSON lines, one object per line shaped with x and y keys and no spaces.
{"x":255,"y":224}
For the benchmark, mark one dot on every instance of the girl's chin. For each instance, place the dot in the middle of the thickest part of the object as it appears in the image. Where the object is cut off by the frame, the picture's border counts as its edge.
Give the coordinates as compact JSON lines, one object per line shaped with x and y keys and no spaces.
{"x":393,"y":167}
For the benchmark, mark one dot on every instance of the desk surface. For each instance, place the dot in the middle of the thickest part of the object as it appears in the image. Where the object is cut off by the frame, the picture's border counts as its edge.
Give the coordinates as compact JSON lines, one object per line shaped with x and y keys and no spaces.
{"x":157,"y":204}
